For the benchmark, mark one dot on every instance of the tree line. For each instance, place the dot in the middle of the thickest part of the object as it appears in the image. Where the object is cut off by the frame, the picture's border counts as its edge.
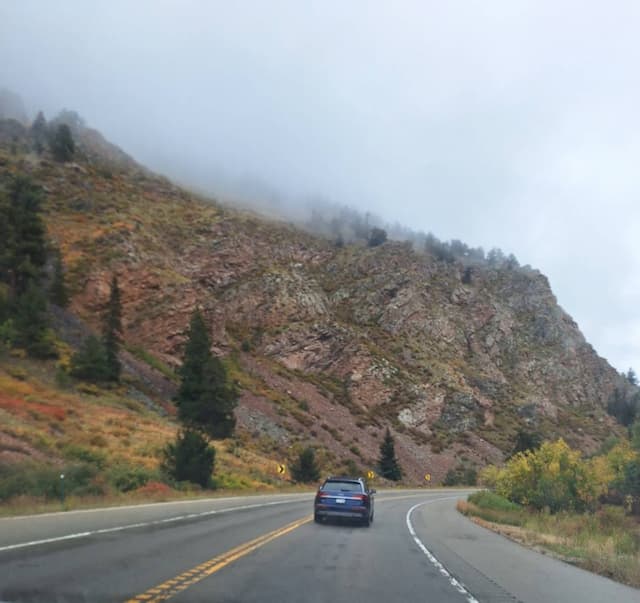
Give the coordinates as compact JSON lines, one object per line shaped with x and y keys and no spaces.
{"x":346,"y":225}
{"x":305,"y":468}
{"x":55,"y":137}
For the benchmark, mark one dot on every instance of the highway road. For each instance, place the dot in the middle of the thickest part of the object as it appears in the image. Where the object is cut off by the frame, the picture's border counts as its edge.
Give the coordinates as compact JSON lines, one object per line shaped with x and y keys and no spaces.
{"x":267,"y":549}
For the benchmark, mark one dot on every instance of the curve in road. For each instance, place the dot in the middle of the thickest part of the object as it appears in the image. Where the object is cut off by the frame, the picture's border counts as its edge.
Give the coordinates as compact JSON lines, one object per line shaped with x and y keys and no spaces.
{"x":265,"y":549}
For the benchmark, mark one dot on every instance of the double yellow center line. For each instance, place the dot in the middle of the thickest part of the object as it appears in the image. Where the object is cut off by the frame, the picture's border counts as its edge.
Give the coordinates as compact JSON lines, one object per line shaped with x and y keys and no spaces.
{"x":172,"y":587}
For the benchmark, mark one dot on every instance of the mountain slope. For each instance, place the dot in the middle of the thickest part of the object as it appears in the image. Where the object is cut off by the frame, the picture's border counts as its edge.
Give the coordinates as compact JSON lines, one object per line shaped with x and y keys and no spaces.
{"x":330,"y":344}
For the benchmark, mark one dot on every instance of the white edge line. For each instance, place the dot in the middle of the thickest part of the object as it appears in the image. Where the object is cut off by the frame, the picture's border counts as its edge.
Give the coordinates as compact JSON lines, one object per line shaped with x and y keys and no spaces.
{"x":22,"y":545}
{"x":441,"y":568}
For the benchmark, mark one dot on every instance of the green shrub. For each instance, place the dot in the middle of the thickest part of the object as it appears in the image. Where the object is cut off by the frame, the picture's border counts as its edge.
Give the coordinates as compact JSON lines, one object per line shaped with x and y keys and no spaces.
{"x":461,"y":476}
{"x":490,"y":500}
{"x":627,"y":544}
{"x":153,"y":362}
{"x":30,"y":479}
{"x":124,"y":477}
{"x":8,"y":333}
{"x":75,"y":452}
{"x":305,"y":469}
{"x":351,"y":467}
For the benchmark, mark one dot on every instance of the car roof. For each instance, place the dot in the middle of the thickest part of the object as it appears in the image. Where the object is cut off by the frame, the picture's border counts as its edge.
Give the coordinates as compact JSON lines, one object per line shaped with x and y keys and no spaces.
{"x":343,"y":478}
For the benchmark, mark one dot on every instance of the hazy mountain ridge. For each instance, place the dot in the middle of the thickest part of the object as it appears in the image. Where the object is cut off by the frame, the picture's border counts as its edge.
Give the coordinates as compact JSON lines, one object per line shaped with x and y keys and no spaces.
{"x":329,"y":343}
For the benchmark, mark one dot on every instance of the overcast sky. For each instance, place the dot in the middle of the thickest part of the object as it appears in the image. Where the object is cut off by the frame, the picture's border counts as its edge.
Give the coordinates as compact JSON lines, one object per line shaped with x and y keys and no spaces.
{"x":501,"y":123}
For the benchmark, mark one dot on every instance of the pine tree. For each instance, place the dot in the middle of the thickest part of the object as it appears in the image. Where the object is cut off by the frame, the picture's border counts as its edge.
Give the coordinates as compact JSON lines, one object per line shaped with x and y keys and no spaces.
{"x":388,"y":464}
{"x":634,"y":435}
{"x":58,"y":293}
{"x":377,"y":236}
{"x":90,"y":361}
{"x":39,"y":133}
{"x":205,"y":398}
{"x":112,"y":331}
{"x":22,"y":241}
{"x":190,"y":458}
{"x":197,"y":352}
{"x":32,"y":324}
{"x":61,"y":143}
{"x":306,"y":469}
{"x":526,"y":440}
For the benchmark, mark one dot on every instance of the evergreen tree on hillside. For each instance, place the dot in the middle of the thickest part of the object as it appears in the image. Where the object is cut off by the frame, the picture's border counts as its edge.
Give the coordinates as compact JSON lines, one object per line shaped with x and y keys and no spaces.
{"x":39,"y":133}
{"x":190,"y":458}
{"x":112,"y":331}
{"x":526,"y":440}
{"x":388,"y":464}
{"x":61,"y":143}
{"x":623,"y":405}
{"x":22,"y":258}
{"x":90,"y":361}
{"x":205,"y":398}
{"x":32,"y":324}
{"x":634,"y":435}
{"x":377,"y":236}
{"x":22,"y":235}
{"x":58,"y":293}
{"x":196,"y":354}
{"x":631,"y":377}
{"x":306,"y":469}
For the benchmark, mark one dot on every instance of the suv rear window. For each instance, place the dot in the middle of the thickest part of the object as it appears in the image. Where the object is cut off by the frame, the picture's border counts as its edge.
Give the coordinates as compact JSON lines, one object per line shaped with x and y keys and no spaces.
{"x":342,"y":486}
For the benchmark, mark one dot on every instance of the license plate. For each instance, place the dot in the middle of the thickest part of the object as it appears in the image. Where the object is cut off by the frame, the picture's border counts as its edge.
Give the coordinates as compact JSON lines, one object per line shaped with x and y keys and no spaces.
{"x":340,"y":501}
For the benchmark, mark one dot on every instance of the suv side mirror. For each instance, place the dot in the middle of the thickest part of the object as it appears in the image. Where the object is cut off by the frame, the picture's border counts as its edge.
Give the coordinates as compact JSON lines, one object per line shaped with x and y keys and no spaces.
{"x":372,"y":491}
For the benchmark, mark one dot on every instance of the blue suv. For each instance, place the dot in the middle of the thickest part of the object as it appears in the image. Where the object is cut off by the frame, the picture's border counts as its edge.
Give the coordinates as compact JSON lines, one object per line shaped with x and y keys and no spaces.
{"x":344,"y":497}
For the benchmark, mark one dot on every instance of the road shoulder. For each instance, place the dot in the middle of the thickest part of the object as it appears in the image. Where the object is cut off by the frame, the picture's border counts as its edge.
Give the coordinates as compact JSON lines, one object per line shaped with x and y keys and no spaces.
{"x":495,"y":568}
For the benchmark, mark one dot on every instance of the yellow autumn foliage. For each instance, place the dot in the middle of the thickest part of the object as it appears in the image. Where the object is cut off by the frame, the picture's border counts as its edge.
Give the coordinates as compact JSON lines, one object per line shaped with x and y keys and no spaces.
{"x":608,"y":469}
{"x":553,"y":477}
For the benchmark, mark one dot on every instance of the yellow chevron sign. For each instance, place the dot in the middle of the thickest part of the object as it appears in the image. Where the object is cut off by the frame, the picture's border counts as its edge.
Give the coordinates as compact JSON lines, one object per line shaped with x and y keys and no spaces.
{"x":281,"y":469}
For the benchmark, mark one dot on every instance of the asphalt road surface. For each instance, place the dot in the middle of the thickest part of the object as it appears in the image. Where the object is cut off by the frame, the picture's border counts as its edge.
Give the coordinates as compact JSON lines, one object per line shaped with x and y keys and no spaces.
{"x":267,"y":549}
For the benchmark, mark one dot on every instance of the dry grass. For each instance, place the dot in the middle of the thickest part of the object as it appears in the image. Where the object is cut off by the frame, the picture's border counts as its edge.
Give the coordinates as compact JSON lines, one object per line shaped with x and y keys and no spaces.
{"x":606,"y":542}
{"x":47,"y":426}
{"x":151,"y":493}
